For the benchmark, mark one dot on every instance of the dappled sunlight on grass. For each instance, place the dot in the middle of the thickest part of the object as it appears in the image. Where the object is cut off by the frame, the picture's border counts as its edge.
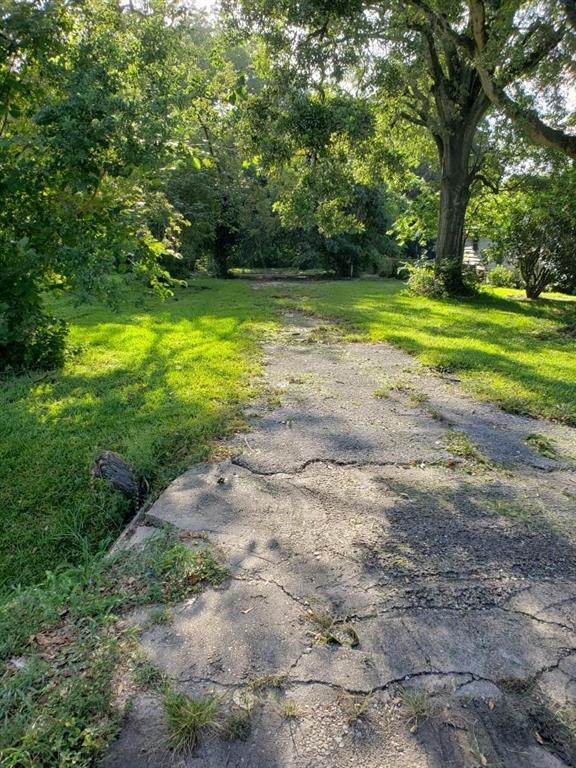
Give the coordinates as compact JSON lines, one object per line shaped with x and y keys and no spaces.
{"x":503,"y":348}
{"x":155,"y":381}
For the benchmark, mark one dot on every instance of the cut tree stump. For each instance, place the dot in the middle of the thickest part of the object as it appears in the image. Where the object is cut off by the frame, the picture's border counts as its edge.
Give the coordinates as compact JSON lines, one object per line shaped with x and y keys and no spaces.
{"x":112,"y":467}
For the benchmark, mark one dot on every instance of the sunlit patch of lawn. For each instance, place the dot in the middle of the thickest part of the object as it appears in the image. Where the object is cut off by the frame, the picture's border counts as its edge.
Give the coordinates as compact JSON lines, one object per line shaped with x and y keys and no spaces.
{"x":503,"y":348}
{"x":155,"y":381}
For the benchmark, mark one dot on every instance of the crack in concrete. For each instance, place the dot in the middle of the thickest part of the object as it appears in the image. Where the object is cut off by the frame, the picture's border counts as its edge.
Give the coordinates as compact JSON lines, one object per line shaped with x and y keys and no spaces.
{"x":290,"y":681}
{"x":395,"y":681}
{"x":402,"y":609}
{"x":255,"y":577}
{"x":571,"y":630}
{"x":413,"y":463}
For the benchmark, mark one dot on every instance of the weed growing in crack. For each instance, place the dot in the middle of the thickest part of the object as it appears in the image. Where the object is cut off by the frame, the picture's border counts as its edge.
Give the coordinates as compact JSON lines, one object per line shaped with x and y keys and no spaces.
{"x":416,"y":706}
{"x":267,"y":682}
{"x":459,"y":444}
{"x":191,"y":720}
{"x":355,"y":706}
{"x":183,"y":571}
{"x":418,"y":398}
{"x":159,"y":615}
{"x":289,"y":709}
{"x":434,"y":413}
{"x":385,"y":391}
{"x":328,"y":629}
{"x":542,"y":444}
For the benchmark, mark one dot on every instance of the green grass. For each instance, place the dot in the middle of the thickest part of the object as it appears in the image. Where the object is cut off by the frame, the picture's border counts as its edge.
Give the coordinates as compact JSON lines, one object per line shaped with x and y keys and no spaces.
{"x":155,"y":381}
{"x":190,"y":720}
{"x":542,"y":444}
{"x":503,"y":348}
{"x":64,"y":649}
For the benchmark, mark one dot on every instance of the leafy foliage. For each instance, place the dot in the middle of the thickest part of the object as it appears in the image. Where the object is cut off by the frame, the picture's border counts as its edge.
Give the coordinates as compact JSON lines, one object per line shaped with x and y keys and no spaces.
{"x":422,"y":279}
{"x":87,"y":111}
{"x":538,"y":234}
{"x":62,"y":645}
{"x":501,"y":277}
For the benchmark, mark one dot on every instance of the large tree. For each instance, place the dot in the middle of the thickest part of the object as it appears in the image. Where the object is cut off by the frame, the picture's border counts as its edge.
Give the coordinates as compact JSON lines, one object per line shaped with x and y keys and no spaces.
{"x":443,"y":64}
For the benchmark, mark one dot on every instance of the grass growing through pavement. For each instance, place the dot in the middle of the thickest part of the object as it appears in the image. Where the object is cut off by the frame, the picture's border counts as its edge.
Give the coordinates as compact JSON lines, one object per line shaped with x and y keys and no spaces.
{"x":62,"y":648}
{"x":189,"y":720}
{"x":155,"y":381}
{"x":503,"y":348}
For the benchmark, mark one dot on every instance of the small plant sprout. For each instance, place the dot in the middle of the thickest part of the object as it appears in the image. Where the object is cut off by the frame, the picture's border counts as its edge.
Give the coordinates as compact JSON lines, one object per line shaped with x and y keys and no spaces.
{"x":416,"y":706}
{"x":418,"y":398}
{"x":542,"y":444}
{"x":459,"y":444}
{"x":266,"y":682}
{"x":289,"y":709}
{"x":147,"y":675}
{"x":160,"y":615}
{"x":355,"y":707}
{"x":238,"y":725}
{"x":327,"y":629}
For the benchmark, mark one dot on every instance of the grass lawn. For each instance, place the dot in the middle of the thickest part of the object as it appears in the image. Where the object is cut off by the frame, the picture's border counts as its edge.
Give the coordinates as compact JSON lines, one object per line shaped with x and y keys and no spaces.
{"x":502,"y":347}
{"x":155,"y":381}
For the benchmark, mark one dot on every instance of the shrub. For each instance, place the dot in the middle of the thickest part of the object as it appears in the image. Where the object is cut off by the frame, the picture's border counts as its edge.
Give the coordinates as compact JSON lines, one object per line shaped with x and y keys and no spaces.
{"x":501,"y":277}
{"x":422,"y":280}
{"x":472,"y":277}
{"x":30,"y":338}
{"x":388,"y":267}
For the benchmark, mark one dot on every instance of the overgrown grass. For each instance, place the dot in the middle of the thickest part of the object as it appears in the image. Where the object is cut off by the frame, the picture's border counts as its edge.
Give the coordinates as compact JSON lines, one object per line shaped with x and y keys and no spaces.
{"x":155,"y":381}
{"x":502,"y":347}
{"x":63,"y":649}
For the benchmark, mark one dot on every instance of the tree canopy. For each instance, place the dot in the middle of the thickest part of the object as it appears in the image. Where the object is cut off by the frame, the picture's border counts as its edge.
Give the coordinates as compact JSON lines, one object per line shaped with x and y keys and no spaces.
{"x":143,"y":141}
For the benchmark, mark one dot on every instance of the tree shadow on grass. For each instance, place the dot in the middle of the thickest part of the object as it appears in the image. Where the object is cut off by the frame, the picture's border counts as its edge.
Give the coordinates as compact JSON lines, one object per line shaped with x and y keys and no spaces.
{"x":158,"y":402}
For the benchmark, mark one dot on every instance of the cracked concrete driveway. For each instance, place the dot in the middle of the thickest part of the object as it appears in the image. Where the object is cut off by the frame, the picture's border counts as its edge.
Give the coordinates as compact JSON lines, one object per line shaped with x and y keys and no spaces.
{"x":391,"y":603}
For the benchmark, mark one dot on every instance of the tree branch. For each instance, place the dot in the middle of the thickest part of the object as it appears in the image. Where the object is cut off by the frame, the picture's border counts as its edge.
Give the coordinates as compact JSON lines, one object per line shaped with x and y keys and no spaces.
{"x":549,"y":41}
{"x":439,"y":21}
{"x":536,"y":129}
{"x":570,"y":8}
{"x":478,"y":23}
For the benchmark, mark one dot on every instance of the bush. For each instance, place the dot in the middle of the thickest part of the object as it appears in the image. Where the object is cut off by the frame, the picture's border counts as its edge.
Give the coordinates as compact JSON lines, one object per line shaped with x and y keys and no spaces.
{"x":501,"y":277}
{"x":472,"y":277}
{"x":39,"y":342}
{"x":422,"y":280}
{"x":388,"y":267}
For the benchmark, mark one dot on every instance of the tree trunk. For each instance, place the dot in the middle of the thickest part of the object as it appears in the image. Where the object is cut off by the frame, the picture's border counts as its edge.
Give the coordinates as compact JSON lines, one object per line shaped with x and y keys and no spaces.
{"x":454,"y":196}
{"x":225,"y":239}
{"x":455,"y":183}
{"x":222,"y":245}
